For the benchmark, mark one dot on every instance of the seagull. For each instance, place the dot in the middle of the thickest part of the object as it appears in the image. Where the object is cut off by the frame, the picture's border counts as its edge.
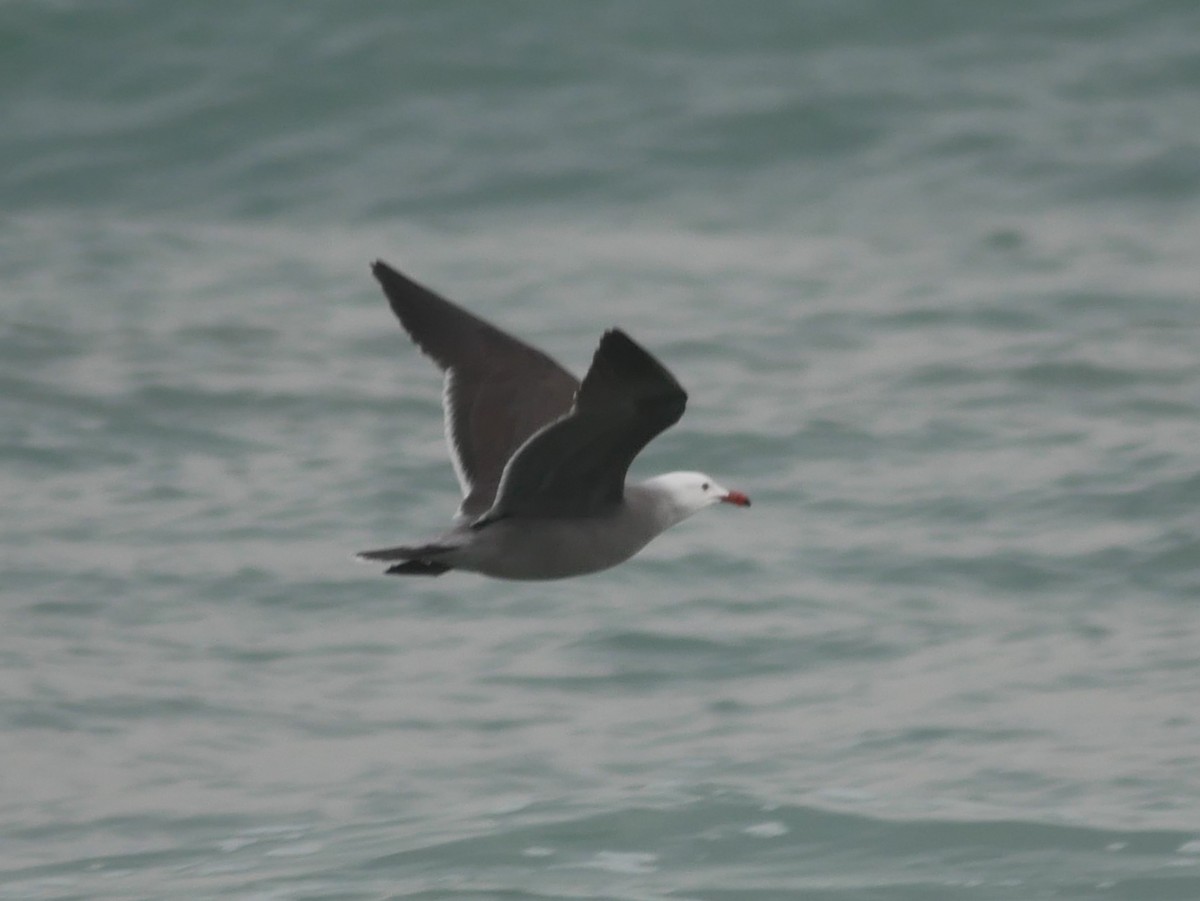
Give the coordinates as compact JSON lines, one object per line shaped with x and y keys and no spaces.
{"x":540,"y":456}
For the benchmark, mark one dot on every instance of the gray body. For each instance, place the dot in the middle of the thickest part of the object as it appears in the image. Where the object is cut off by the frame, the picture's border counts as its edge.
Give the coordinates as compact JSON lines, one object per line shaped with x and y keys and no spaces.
{"x":559,"y":547}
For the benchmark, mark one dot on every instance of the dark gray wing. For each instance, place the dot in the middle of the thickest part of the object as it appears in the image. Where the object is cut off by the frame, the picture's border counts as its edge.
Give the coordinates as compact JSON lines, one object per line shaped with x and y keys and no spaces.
{"x":576,"y":466}
{"x":498,"y":389}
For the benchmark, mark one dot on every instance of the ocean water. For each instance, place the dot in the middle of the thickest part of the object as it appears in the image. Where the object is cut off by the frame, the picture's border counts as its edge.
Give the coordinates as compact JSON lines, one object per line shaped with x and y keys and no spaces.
{"x":931,"y":274}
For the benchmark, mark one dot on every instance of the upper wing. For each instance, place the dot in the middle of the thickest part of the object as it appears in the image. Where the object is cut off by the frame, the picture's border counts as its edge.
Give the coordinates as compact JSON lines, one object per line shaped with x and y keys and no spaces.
{"x":498,"y":390}
{"x":576,"y":466}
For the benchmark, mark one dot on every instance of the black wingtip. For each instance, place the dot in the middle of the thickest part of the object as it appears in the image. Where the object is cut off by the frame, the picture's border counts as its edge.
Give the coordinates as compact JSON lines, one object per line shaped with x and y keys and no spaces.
{"x":382,"y":270}
{"x":618,"y":335}
{"x":618,"y":352}
{"x":410,"y":301}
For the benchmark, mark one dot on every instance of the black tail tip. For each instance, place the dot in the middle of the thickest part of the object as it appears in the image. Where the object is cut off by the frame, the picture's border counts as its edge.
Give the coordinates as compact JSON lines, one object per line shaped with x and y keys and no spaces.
{"x":417,"y":568}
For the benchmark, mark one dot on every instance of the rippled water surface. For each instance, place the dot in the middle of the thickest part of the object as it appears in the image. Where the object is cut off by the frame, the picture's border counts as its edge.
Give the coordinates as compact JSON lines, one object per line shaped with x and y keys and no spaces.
{"x":929,"y":274}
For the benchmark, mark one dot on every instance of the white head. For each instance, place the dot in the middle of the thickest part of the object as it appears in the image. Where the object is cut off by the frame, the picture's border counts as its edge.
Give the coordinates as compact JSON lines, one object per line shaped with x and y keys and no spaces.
{"x":686,"y":493}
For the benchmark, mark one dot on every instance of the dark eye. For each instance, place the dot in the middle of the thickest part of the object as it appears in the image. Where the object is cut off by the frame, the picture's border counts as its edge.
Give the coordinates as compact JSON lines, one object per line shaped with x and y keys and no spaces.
{"x":704,"y":487}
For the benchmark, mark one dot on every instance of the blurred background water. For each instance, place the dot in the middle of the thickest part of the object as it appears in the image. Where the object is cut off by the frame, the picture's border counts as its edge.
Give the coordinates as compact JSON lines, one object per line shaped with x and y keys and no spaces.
{"x":929,"y":272}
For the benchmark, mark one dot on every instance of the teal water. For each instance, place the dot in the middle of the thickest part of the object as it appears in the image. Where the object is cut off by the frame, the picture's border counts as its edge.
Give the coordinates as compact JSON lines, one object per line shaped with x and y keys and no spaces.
{"x":930,"y":274}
